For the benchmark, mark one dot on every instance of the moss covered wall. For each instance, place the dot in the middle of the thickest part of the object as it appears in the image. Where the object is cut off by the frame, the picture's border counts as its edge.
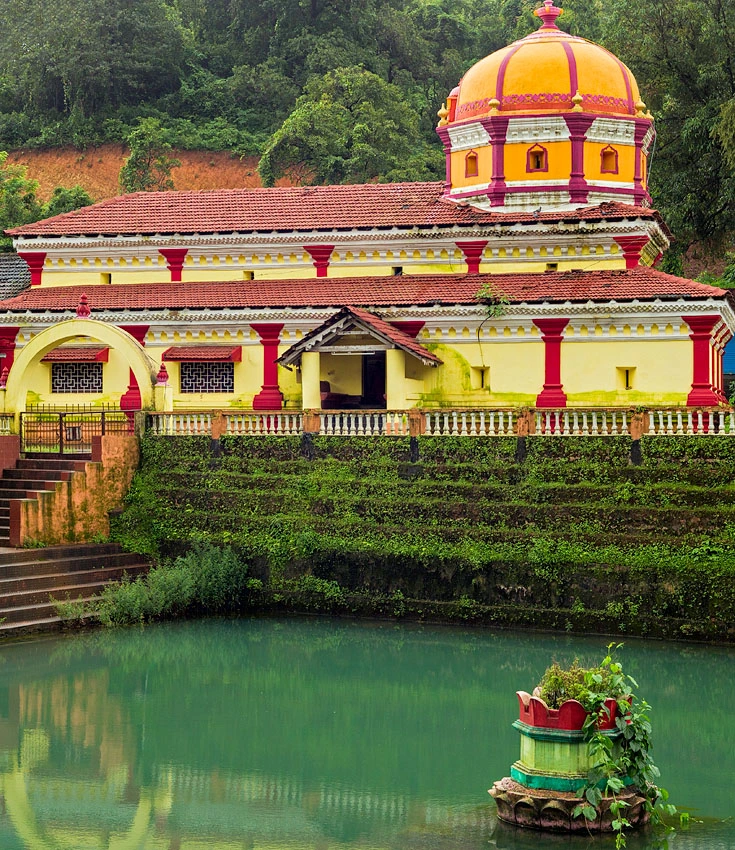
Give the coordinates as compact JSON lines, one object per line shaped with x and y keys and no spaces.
{"x":573,"y":538}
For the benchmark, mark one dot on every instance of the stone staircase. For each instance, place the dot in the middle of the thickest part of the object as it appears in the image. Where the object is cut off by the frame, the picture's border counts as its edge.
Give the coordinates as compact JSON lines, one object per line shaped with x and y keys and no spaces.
{"x":30,"y":578}
{"x":30,"y":476}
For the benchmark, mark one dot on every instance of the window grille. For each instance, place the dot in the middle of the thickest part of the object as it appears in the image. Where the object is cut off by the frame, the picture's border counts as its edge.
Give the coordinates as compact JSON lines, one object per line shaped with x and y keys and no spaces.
{"x":207,"y":377}
{"x":76,"y":377}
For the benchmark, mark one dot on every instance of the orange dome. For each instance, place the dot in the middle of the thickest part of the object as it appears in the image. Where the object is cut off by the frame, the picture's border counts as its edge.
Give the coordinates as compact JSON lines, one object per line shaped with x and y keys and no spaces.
{"x":548,"y":71}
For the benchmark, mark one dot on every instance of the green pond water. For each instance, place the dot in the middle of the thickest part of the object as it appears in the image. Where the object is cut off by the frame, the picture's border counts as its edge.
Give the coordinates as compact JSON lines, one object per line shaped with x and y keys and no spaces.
{"x":245,"y":734}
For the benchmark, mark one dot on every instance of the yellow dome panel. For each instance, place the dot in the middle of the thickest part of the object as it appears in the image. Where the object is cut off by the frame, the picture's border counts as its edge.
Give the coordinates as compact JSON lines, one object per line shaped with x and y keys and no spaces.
{"x":537,"y":77}
{"x":605,"y":83}
{"x":478,"y":86}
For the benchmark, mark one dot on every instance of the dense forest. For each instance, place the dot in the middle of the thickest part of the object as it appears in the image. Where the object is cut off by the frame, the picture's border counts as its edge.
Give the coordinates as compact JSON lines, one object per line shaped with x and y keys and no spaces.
{"x":348,"y":90}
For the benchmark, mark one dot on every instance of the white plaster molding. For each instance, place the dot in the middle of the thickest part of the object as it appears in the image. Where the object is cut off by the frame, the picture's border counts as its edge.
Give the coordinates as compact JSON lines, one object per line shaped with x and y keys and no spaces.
{"x":648,"y":139}
{"x":467,"y":136}
{"x":611,"y":184}
{"x":530,"y":131}
{"x":612,"y":131}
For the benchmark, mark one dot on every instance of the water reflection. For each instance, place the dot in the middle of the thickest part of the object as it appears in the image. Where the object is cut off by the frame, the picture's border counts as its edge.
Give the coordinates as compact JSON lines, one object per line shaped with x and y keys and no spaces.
{"x":249,"y":734}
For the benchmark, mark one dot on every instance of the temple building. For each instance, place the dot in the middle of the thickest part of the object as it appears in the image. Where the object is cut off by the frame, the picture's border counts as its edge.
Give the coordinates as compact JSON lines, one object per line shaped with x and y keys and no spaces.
{"x":524,"y":279}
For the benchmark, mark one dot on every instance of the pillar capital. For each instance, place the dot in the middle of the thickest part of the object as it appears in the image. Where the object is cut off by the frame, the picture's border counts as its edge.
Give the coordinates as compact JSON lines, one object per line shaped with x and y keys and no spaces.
{"x":174,"y":261}
{"x":632,"y":248}
{"x":320,"y":254}
{"x":472,"y":251}
{"x":35,"y":260}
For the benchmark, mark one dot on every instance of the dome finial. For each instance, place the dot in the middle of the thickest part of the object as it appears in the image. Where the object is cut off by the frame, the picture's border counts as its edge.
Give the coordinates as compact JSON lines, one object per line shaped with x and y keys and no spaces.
{"x":548,"y":14}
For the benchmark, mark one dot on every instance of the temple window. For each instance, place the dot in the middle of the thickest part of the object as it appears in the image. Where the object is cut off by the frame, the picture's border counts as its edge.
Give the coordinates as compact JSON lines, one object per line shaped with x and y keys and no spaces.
{"x":471,"y":165}
{"x":609,"y":160}
{"x":207,"y":377}
{"x":537,"y":159}
{"x":76,"y":377}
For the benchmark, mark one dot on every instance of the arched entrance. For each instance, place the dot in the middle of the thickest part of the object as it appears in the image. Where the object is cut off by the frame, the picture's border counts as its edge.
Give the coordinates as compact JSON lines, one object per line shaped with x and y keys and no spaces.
{"x":140,"y":363}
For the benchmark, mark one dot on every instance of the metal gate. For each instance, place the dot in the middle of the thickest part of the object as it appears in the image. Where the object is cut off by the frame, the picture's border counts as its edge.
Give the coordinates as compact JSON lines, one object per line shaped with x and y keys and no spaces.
{"x":55,"y":432}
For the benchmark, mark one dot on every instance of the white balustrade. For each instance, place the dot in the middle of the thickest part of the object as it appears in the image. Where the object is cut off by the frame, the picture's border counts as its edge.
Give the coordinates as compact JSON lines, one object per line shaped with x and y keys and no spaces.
{"x":182,"y":424}
{"x":252,"y":422}
{"x":566,"y":422}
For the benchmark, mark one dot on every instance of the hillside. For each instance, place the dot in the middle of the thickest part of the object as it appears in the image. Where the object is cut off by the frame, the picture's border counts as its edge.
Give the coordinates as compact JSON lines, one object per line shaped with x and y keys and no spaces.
{"x":96,"y":169}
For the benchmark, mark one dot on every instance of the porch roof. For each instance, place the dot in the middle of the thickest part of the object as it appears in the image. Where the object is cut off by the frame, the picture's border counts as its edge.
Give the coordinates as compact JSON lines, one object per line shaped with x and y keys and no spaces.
{"x":354,"y":317}
{"x":77,"y":354}
{"x":204,"y":353}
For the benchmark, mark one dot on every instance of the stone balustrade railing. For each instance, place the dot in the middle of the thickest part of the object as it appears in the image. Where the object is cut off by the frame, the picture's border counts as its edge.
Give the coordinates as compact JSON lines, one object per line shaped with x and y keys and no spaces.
{"x":568,"y":422}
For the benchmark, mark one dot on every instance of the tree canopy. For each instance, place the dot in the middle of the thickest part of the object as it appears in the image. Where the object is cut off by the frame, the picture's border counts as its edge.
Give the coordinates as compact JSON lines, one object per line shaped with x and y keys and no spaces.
{"x":349,"y":126}
{"x":149,"y":166}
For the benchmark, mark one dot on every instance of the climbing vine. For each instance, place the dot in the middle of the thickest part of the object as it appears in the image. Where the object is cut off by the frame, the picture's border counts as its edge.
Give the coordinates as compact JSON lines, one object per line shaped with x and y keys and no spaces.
{"x":627,"y":756}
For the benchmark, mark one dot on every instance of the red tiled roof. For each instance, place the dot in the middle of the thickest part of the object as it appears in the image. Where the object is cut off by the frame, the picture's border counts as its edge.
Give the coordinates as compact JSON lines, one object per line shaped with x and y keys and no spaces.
{"x":80,"y":354}
{"x":642,"y":283}
{"x":202,"y":353}
{"x":373,"y":323}
{"x":300,"y":208}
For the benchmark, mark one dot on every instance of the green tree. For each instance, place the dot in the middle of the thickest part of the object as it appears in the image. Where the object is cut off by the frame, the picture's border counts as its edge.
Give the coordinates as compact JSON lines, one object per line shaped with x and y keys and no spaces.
{"x":66,"y":200}
{"x":681,"y":52}
{"x":350,"y":126}
{"x":18,"y":204}
{"x":149,"y":166}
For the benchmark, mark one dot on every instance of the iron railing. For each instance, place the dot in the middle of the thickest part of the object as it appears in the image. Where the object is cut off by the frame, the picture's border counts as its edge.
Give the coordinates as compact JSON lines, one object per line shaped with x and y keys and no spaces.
{"x":70,"y":432}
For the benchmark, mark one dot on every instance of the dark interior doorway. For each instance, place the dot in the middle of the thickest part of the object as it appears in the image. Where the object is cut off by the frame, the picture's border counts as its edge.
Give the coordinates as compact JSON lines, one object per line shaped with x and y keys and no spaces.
{"x":373,"y":380}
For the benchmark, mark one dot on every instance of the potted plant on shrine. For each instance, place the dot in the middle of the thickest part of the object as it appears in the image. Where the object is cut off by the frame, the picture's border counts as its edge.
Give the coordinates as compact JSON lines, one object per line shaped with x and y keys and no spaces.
{"x":585,"y":760}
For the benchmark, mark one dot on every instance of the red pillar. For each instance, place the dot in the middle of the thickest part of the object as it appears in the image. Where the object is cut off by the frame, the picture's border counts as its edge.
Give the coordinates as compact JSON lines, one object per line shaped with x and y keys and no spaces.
{"x":270,"y":396}
{"x":35,"y":260}
{"x":702,"y":393}
{"x":174,"y":261}
{"x":130,"y":399}
{"x":7,"y":347}
{"x":642,"y":126}
{"x":578,"y":125}
{"x":320,"y":254}
{"x":552,"y":331}
{"x":497,"y":126}
{"x":632,"y":249}
{"x":472,"y":253}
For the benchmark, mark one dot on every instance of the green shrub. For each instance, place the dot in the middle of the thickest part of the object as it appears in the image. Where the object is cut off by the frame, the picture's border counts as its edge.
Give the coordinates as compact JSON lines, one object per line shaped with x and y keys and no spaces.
{"x":207,"y":579}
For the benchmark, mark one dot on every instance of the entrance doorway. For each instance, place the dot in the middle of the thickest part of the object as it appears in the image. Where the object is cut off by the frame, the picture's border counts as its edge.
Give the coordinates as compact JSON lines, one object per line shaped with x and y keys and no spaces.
{"x":373,"y":380}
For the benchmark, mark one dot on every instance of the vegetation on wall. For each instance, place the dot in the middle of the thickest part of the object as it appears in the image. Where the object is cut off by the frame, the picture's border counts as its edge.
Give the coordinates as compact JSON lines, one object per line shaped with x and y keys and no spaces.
{"x":244,"y":75}
{"x":572,"y":539}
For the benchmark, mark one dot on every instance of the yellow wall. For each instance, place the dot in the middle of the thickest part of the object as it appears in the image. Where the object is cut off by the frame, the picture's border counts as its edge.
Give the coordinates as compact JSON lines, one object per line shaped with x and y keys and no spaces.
{"x":484,"y":167}
{"x":343,"y":371}
{"x":559,"y":161}
{"x":593,"y":162}
{"x":663,"y":371}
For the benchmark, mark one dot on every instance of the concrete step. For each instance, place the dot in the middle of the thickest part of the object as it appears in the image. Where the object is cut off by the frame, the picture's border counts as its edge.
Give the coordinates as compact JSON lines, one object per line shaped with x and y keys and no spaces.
{"x":31,"y":474}
{"x":54,"y":457}
{"x":75,"y":565}
{"x":8,"y":485}
{"x":31,"y":625}
{"x":23,"y":494}
{"x":38,"y":590}
{"x":59,"y":552}
{"x":42,"y":610}
{"x":56,"y":463}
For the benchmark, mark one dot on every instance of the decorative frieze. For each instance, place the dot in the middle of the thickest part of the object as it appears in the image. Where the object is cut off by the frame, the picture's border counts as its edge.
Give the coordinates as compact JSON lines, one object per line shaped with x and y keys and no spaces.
{"x":529,"y":131}
{"x":468,"y":136}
